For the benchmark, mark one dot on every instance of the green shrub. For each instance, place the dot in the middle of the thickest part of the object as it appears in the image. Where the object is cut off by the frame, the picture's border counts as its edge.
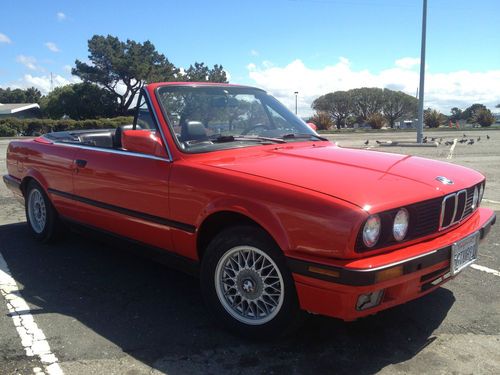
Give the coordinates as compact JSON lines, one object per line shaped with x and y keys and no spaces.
{"x":29,"y":127}
{"x":5,"y":131}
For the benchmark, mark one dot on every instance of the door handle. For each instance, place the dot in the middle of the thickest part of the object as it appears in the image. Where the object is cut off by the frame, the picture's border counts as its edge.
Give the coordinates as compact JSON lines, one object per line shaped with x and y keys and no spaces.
{"x":80,"y":163}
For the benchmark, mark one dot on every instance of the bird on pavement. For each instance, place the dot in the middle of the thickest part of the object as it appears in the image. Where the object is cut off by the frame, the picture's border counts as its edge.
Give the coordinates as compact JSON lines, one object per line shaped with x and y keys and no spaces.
{"x":425,"y":139}
{"x":378,"y":142}
{"x":464,"y":136}
{"x":478,"y":139}
{"x":433,"y":139}
{"x":440,"y":139}
{"x":487,"y":136}
{"x":367,"y":141}
{"x":471,"y":142}
{"x":448,"y":143}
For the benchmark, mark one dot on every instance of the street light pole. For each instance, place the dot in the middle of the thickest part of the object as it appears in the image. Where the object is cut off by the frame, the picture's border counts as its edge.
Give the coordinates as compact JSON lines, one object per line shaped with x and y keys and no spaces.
{"x":296,"y":94}
{"x":420,"y":125}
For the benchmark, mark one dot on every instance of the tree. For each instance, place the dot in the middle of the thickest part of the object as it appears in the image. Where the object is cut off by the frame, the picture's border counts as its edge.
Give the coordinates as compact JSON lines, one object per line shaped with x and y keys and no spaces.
{"x":123,"y":68}
{"x":337,"y":104}
{"x":12,"y":96}
{"x":484,"y":117}
{"x":433,"y":118}
{"x":470,"y":113}
{"x":80,"y":101}
{"x":397,"y":104}
{"x":33,"y":95}
{"x":366,"y":101}
{"x":202,"y":73}
{"x":376,"y":120}
{"x":456,"y":114}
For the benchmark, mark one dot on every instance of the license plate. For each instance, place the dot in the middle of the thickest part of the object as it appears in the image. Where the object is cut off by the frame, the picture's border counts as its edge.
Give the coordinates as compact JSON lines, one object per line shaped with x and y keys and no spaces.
{"x":464,"y":253}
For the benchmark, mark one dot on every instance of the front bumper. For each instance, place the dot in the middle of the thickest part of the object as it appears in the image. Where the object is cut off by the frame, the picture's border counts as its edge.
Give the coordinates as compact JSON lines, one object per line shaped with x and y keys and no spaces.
{"x":332,"y":287}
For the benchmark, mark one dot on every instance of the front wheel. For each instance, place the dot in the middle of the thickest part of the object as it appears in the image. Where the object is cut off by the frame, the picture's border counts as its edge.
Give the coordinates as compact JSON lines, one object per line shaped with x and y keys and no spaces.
{"x":247,"y":285}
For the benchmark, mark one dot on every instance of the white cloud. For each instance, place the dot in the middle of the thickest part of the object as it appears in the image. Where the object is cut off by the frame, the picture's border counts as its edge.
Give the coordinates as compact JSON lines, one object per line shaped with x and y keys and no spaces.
{"x":52,"y":47}
{"x":67,"y":68}
{"x":442,"y":90}
{"x":5,"y":39}
{"x":407,"y":62}
{"x":254,"y":52}
{"x":28,"y":61}
{"x":43,"y":82}
{"x":60,"y":16}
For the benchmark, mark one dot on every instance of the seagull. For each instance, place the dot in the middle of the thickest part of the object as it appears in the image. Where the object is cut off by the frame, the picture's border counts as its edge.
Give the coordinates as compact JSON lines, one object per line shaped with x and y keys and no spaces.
{"x":487,"y":136}
{"x":471,"y":142}
{"x":367,"y":141}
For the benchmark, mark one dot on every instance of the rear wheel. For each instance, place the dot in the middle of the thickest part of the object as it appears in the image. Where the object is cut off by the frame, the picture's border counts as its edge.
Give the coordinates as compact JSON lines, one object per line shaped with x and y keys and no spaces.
{"x":40,"y":214}
{"x":247,"y":285}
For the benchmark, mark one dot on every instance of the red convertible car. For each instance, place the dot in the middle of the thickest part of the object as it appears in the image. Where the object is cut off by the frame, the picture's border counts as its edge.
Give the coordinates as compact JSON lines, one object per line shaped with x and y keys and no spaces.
{"x":275,"y":219}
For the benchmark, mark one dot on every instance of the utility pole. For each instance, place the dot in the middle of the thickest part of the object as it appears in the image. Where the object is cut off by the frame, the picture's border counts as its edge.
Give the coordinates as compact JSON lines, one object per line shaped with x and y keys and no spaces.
{"x":51,"y":82}
{"x":420,"y":125}
{"x":296,"y":94}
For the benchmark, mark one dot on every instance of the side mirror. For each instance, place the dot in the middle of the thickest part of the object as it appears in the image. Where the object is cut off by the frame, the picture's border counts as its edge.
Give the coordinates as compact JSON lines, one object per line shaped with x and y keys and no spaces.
{"x":312,"y":126}
{"x":144,"y":142}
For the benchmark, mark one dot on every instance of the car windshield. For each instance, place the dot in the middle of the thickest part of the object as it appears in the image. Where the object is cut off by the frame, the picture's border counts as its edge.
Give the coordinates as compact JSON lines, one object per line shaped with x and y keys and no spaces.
{"x":210,"y":118}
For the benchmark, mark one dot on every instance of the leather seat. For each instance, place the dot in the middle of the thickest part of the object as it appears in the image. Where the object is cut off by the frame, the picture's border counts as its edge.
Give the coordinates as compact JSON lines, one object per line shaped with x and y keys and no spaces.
{"x":117,"y":137}
{"x":193,"y":131}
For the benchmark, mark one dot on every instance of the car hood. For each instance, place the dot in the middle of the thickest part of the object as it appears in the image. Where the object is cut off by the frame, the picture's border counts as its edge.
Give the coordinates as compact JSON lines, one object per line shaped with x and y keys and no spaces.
{"x":372,"y":180}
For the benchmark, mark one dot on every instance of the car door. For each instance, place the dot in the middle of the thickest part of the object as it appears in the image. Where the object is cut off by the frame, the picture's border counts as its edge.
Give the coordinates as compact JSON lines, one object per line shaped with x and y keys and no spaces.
{"x":125,"y":192}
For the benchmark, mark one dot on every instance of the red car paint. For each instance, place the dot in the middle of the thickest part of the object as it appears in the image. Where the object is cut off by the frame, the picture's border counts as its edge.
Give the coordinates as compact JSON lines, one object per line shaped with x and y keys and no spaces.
{"x":311,"y":197}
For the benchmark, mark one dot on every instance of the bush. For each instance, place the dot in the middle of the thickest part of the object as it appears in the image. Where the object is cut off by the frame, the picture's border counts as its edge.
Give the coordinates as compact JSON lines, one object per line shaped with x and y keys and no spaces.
{"x":322,"y":121}
{"x":433,"y":118}
{"x":376,"y":120}
{"x":5,"y":131}
{"x":29,"y":127}
{"x":484,"y":117}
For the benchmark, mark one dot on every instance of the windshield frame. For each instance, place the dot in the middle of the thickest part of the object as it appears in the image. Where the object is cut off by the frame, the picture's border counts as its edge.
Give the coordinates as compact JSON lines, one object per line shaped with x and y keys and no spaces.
{"x":237,"y":144}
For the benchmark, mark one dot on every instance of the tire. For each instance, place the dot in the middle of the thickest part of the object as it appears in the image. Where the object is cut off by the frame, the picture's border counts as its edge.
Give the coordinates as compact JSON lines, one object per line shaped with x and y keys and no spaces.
{"x":247,"y":285}
{"x":41,"y":215}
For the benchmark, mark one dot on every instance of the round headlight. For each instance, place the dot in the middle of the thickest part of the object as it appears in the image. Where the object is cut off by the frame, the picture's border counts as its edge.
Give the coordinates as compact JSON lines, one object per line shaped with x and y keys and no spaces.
{"x":475,"y":198}
{"x":400,"y":227}
{"x":371,"y":230}
{"x":481,"y":192}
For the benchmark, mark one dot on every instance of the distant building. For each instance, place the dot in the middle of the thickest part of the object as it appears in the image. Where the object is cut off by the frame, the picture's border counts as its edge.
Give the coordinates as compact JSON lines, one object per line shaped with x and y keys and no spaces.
{"x":20,"y":110}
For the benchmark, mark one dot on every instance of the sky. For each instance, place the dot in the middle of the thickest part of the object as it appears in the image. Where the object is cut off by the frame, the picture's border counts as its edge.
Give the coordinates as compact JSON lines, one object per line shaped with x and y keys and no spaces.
{"x":310,"y":46}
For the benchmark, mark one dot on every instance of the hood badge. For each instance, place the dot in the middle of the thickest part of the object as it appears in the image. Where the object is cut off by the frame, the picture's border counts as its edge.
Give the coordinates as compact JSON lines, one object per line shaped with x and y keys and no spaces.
{"x":444,"y":180}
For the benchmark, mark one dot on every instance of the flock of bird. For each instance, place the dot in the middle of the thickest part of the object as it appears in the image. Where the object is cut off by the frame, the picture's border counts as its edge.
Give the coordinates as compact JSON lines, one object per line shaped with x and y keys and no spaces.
{"x":464,"y":139}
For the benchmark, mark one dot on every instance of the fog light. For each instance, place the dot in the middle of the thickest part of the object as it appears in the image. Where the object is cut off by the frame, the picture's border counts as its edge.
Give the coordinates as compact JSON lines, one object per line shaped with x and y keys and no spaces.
{"x":368,"y":300}
{"x":389,"y":274}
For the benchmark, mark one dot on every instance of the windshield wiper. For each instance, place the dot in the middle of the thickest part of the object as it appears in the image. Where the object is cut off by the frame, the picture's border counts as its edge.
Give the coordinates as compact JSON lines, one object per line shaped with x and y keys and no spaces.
{"x":233,"y":138}
{"x":303,"y":135}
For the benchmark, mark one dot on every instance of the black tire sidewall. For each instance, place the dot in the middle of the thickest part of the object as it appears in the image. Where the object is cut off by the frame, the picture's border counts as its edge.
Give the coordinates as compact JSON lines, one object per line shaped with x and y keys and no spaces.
{"x":289,"y":315}
{"x":49,"y":230}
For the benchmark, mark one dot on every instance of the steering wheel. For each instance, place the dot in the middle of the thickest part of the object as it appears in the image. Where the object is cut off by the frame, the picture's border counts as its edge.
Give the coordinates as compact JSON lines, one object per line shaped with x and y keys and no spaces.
{"x":246,"y":131}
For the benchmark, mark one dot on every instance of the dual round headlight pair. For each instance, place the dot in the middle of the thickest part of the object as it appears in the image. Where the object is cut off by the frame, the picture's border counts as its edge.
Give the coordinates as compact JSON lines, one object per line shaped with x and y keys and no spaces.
{"x":478,"y":196}
{"x":373,"y":227}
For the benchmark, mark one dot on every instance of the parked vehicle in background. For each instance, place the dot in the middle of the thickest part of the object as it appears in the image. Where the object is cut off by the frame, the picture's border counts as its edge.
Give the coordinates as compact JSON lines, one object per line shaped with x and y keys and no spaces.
{"x":275,"y":219}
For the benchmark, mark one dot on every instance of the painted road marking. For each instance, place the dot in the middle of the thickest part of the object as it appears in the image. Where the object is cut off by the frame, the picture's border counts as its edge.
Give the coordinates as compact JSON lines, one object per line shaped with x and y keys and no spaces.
{"x":452,"y":148}
{"x":32,"y":338}
{"x":490,"y":201}
{"x":485,"y":269}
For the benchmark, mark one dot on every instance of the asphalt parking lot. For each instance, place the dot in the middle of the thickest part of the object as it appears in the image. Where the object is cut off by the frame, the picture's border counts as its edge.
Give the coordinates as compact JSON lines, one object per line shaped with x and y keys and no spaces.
{"x":104,"y":309}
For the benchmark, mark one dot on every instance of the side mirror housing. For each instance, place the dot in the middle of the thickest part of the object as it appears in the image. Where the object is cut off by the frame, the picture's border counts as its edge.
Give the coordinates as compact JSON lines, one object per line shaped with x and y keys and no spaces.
{"x":312,"y":126}
{"x":144,"y":142}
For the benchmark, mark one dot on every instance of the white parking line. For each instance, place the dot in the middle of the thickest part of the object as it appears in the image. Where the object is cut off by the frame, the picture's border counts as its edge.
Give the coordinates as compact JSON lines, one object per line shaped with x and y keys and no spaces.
{"x":485,"y":269}
{"x":32,"y":338}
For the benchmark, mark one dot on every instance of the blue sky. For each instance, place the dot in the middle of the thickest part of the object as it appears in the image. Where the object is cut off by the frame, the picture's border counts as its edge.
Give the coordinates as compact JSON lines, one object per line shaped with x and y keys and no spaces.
{"x":313,"y":46}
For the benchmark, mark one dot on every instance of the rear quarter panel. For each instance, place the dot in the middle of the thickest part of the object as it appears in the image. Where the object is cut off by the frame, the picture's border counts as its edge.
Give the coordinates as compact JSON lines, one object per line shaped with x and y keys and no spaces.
{"x":50,"y":165}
